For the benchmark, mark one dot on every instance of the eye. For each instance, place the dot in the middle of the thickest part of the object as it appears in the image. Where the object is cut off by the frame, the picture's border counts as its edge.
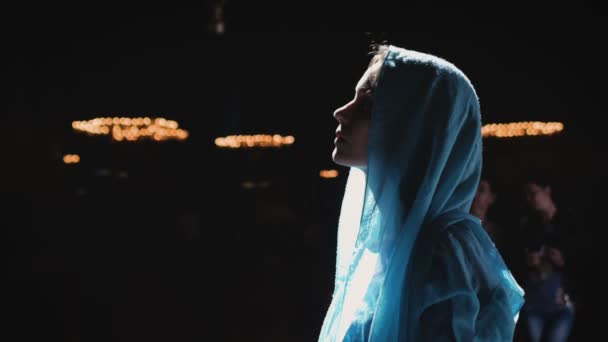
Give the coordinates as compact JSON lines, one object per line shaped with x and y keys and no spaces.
{"x":366,"y":102}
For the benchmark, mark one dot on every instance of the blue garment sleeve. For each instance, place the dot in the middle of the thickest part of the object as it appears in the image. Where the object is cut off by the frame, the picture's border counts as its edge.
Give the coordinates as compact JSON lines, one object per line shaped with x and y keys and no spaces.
{"x":468,"y":291}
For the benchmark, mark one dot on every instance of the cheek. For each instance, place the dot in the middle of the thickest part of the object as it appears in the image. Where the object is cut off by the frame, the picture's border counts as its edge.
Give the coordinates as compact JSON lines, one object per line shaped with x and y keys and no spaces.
{"x":361,"y":133}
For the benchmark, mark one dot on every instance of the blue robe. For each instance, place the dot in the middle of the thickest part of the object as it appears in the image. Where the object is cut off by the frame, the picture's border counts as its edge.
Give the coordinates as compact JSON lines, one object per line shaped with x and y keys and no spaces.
{"x":412,"y":264}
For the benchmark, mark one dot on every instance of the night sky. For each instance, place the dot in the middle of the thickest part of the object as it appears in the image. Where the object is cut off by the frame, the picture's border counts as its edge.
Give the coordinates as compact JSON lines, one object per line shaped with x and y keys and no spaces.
{"x":268,"y":73}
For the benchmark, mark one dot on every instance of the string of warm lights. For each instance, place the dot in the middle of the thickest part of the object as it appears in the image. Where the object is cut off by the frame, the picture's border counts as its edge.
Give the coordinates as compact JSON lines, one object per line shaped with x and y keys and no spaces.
{"x":250,"y":141}
{"x":328,"y":174}
{"x":520,"y":129}
{"x":132,"y":129}
{"x":71,"y":159}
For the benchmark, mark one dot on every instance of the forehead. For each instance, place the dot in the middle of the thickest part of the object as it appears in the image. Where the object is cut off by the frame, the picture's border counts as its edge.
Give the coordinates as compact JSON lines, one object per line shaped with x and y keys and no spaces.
{"x":533,"y":187}
{"x":484,"y":184}
{"x":364,"y":80}
{"x":370,"y":74}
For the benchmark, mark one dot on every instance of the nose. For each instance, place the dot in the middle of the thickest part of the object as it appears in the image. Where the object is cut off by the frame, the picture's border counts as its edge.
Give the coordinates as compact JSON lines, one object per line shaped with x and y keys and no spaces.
{"x":342,"y":114}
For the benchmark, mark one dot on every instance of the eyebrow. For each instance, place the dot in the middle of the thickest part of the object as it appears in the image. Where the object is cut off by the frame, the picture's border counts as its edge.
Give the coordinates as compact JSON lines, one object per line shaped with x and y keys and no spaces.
{"x":366,"y":88}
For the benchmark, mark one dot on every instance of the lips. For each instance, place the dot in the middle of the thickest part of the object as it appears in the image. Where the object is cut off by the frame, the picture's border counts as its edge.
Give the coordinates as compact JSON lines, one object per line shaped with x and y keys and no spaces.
{"x":340,"y":135}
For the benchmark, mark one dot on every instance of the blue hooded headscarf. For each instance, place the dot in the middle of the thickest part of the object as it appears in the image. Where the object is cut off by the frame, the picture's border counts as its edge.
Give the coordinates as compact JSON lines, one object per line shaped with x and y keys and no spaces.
{"x":412,"y":263}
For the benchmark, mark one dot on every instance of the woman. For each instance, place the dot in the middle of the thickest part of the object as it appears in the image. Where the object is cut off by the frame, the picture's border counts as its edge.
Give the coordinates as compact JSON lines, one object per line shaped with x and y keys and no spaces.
{"x":481,"y":206}
{"x":412,"y":264}
{"x":549,"y":240}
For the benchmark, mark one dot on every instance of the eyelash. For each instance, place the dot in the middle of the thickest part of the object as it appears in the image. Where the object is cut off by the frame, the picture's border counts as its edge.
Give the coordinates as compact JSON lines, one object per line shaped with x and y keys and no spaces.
{"x":367,"y":99}
{"x":365,"y":104}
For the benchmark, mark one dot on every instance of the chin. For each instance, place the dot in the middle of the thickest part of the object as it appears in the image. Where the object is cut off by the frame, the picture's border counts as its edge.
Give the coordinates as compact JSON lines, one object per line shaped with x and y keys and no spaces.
{"x":338,"y":159}
{"x":343,"y":160}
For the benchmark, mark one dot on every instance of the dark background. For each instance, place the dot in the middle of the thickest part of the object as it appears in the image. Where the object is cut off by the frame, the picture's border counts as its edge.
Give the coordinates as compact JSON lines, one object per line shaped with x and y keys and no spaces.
{"x":160,"y":241}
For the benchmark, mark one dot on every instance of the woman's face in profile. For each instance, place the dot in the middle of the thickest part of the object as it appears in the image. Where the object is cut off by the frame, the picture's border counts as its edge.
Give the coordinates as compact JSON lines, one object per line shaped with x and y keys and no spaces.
{"x":353,"y":123}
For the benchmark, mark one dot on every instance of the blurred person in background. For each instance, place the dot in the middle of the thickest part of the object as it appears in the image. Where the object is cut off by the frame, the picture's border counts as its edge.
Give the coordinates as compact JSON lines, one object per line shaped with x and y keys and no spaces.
{"x":548,"y":238}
